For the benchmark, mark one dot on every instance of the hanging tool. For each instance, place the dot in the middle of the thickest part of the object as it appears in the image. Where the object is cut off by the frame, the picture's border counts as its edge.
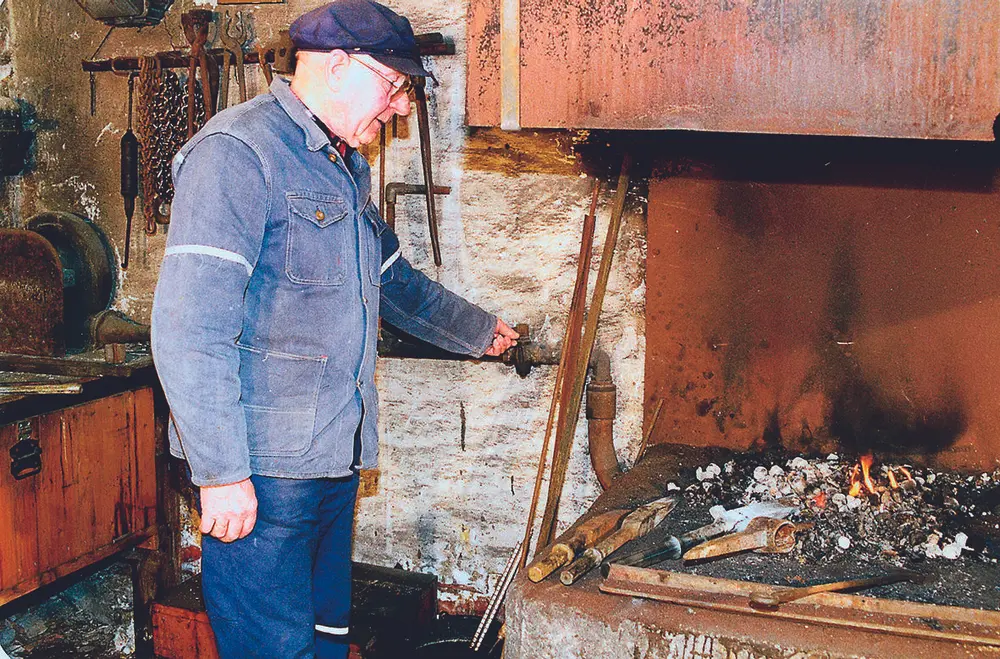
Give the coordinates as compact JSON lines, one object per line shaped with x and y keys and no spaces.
{"x":573,"y":324}
{"x":506,"y":578}
{"x":264,"y":65}
{"x":232,"y":43}
{"x":195,"y":24}
{"x":585,"y":535}
{"x":637,"y":524}
{"x":764,"y":535}
{"x":569,"y":409}
{"x":424,"y":128}
{"x":129,"y":172}
{"x":381,"y":171}
{"x":725,"y":521}
{"x":776,"y":596}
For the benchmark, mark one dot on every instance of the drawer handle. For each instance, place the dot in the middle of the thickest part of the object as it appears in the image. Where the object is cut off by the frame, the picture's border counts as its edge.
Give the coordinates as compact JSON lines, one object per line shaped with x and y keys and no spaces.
{"x":26,"y":454}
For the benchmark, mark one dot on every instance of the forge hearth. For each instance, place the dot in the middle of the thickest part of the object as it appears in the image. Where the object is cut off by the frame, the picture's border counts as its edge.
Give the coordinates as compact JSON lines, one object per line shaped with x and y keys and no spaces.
{"x":701,"y":610}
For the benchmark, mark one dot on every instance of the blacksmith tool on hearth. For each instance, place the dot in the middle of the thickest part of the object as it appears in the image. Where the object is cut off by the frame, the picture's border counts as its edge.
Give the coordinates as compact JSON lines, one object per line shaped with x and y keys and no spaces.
{"x":764,"y":535}
{"x":778,"y":595}
{"x":725,"y":521}
{"x":637,"y":524}
{"x":587,"y":534}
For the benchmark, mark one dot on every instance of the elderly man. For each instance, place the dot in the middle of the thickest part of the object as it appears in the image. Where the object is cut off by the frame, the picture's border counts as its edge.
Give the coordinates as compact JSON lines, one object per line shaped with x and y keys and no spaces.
{"x":276,"y":271}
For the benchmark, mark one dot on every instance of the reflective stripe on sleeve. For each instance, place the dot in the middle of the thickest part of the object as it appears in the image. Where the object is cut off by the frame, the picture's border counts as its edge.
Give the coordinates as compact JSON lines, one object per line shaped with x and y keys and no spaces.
{"x":389,"y":261}
{"x":336,"y":631}
{"x":211,"y":251}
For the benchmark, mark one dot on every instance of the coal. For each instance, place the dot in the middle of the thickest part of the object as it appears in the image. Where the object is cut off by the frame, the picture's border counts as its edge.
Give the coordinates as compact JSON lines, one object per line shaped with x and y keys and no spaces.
{"x":938,"y":522}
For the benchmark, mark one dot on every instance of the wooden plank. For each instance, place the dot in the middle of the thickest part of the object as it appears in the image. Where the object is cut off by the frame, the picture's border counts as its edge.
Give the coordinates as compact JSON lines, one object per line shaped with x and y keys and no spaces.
{"x":924,"y":621}
{"x":881,"y":68}
{"x":18,"y":520}
{"x":144,"y":457}
{"x":482,"y":96}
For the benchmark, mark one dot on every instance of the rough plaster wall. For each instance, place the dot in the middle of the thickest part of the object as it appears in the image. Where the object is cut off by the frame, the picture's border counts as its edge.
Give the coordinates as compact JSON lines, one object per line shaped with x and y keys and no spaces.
{"x":509,"y":242}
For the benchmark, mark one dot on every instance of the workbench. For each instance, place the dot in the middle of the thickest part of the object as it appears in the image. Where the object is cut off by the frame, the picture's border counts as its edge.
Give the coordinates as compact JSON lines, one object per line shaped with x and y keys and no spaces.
{"x":88,"y":466}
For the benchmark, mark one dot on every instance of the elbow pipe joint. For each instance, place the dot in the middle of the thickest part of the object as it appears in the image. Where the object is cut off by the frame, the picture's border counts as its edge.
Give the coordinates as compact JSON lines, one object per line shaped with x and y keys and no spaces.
{"x":602,"y":401}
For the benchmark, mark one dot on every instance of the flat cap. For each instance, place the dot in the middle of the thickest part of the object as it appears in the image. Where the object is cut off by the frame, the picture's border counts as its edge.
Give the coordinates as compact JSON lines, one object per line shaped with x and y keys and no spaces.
{"x":360,"y":26}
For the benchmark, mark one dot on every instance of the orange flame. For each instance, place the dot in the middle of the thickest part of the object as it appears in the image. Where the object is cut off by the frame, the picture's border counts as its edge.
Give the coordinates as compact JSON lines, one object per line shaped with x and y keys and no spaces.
{"x":866,"y":464}
{"x":906,"y":472}
{"x":855,"y":482}
{"x":892,"y":481}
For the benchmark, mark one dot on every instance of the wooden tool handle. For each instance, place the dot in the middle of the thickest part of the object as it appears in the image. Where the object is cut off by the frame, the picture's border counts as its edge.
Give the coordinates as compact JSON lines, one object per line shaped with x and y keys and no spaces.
{"x":543,"y":566}
{"x":581,"y":566}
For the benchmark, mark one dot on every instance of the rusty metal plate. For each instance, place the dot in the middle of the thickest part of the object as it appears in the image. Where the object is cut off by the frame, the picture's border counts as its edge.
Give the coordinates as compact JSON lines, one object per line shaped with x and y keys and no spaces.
{"x":889,"y":68}
{"x":31,"y":295}
{"x":823,"y":303}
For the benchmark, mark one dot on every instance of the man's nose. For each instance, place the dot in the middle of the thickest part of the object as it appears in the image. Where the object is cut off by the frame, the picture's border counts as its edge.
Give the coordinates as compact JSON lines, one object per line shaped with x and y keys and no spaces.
{"x":401,"y":105}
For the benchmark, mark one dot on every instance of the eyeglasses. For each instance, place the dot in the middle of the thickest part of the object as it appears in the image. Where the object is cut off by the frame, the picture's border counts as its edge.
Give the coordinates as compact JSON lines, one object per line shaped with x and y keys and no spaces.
{"x":397,"y":89}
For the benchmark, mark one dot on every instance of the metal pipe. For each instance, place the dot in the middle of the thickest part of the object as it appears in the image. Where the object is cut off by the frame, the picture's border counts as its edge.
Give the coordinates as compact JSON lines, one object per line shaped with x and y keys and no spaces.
{"x":523,"y":357}
{"x":602,"y":398}
{"x":394,"y":189}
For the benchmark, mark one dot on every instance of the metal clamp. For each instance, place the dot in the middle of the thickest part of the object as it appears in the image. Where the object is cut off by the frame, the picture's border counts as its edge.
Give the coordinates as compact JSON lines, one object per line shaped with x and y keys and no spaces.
{"x":26,"y":454}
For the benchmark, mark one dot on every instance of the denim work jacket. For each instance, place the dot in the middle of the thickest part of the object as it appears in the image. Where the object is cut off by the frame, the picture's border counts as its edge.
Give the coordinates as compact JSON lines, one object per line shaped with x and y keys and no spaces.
{"x":265,"y":317}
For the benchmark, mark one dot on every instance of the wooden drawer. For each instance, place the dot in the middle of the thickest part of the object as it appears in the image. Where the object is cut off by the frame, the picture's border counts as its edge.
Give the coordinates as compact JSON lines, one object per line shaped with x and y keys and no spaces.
{"x":95,"y":493}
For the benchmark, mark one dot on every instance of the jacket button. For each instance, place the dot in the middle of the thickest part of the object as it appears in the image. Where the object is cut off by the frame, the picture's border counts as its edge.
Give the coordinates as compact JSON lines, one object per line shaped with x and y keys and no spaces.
{"x":332,"y":157}
{"x":320,"y":215}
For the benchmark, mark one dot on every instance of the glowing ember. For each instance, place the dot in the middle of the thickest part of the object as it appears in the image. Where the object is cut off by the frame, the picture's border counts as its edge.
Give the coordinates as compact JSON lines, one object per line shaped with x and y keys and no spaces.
{"x":892,"y":481}
{"x":906,"y":472}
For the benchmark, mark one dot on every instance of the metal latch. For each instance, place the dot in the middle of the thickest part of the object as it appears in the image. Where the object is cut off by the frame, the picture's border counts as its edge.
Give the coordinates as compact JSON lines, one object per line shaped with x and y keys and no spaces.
{"x":26,"y":454}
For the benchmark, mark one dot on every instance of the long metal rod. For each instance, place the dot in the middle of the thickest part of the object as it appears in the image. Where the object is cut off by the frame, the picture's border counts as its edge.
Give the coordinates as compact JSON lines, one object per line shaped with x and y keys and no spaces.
{"x":506,"y":578}
{"x":573,"y":325}
{"x":428,"y":44}
{"x":565,"y":432}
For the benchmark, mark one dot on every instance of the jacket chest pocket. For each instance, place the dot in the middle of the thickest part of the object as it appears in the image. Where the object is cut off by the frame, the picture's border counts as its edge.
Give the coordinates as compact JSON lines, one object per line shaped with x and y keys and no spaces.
{"x":319,"y":239}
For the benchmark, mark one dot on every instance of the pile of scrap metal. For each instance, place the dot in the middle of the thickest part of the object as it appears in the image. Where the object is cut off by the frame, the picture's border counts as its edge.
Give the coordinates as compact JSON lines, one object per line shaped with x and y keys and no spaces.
{"x":56,"y":285}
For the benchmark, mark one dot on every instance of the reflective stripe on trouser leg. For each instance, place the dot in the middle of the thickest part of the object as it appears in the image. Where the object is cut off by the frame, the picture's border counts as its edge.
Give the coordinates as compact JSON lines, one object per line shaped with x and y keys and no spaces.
{"x":332,"y":568}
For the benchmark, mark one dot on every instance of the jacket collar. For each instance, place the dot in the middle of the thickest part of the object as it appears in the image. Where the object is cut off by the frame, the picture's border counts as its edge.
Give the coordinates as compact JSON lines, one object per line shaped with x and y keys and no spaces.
{"x":315,"y":138}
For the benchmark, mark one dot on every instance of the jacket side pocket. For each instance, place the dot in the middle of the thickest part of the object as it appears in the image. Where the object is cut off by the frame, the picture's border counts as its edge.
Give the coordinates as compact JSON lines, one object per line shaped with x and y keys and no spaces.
{"x":279,"y":394}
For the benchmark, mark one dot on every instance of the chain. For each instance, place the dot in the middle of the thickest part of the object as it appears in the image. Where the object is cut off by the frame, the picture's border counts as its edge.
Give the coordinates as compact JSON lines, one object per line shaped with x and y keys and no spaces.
{"x":161,"y":127}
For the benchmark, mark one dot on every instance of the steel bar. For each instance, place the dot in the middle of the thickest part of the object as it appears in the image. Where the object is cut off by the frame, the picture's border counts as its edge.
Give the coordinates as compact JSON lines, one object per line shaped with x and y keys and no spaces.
{"x":69,"y":366}
{"x":566,"y":430}
{"x":21,"y":388}
{"x":506,"y":578}
{"x":177,"y":59}
{"x":776,"y":596}
{"x":573,"y":324}
{"x":973,"y":626}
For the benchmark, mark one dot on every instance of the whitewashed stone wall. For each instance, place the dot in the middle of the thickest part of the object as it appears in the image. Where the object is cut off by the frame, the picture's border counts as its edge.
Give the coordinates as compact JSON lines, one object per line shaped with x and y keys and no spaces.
{"x":509,"y":243}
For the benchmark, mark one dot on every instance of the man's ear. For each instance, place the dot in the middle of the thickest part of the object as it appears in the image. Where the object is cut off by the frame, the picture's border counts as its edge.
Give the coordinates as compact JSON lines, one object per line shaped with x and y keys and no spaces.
{"x":336,"y":68}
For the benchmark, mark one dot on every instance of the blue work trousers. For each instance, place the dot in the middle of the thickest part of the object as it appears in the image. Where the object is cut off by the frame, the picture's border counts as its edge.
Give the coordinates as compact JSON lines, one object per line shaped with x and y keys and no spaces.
{"x":284,"y":591}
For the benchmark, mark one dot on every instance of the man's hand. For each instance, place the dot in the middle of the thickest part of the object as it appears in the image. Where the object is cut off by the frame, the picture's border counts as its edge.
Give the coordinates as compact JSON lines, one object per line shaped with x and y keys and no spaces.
{"x":228,"y":512}
{"x":503,"y":337}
